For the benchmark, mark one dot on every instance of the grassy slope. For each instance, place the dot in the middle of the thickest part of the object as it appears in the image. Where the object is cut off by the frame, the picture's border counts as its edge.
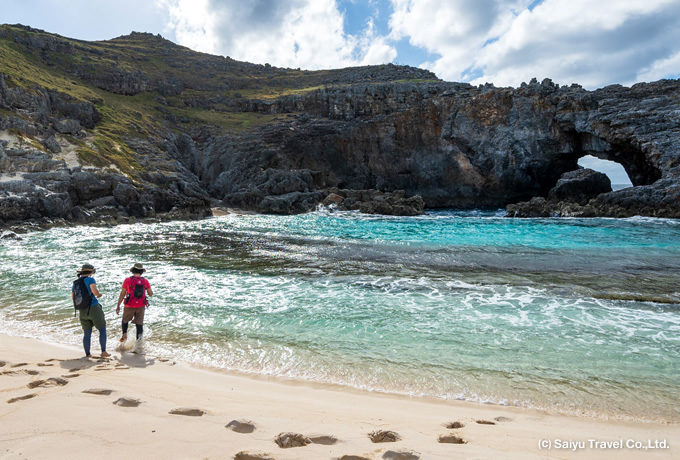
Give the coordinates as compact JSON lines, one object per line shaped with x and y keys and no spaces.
{"x":142,"y":115}
{"x":29,"y":71}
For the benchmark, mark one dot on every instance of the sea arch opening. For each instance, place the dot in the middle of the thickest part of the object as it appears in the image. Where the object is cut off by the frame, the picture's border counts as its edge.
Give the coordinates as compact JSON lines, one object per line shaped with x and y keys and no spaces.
{"x":615,"y":171}
{"x":625,"y":164}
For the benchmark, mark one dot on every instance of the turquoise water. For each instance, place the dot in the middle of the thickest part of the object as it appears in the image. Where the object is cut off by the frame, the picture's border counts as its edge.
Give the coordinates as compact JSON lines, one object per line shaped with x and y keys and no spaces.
{"x":571,"y":315}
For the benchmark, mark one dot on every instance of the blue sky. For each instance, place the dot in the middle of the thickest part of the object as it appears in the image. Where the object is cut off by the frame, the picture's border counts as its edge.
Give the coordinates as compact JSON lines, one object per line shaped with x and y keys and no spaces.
{"x":356,"y":14}
{"x":504,"y":42}
{"x":617,"y":175}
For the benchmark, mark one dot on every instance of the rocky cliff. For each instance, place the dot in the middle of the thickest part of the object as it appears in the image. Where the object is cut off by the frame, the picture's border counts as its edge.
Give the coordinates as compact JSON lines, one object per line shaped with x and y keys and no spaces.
{"x":138,"y":128}
{"x":452,"y":144}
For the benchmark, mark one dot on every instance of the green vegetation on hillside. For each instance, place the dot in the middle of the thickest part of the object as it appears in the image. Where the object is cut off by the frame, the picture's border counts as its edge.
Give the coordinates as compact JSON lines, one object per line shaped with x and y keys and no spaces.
{"x":141,"y":84}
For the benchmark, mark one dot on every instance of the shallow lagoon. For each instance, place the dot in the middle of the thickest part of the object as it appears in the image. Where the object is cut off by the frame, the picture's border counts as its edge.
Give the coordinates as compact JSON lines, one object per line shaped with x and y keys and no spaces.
{"x":572,"y":315}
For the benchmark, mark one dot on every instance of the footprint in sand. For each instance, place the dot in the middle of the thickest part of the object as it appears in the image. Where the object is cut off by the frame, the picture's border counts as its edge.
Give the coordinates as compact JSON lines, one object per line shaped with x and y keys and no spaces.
{"x":98,"y":391}
{"x":241,"y":426}
{"x":20,"y":372}
{"x":45,"y":364}
{"x":103,"y":367}
{"x":288,"y":440}
{"x":50,"y":382}
{"x":401,"y":455}
{"x":188,"y":411}
{"x":503,"y":419}
{"x":22,"y":398}
{"x":353,"y":457}
{"x":451,"y":439}
{"x":486,"y":422}
{"x":384,"y":436}
{"x":70,"y":376}
{"x":19,"y":365}
{"x":454,"y":425}
{"x":244,"y":455}
{"x":324,"y":440}
{"x":127,"y":402}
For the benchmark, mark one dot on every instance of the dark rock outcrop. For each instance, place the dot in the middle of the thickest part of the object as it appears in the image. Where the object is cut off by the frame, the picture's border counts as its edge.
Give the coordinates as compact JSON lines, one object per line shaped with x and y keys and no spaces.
{"x":121,"y":82}
{"x":658,"y":200}
{"x":573,"y":191}
{"x":580,"y":186}
{"x":287,"y":203}
{"x":36,"y":187}
{"x":452,"y":144}
{"x":77,"y":112}
{"x":375,"y":202}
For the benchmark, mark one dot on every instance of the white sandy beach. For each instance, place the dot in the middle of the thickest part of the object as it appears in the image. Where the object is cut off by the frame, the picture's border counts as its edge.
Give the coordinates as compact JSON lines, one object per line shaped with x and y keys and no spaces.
{"x":47,"y":413}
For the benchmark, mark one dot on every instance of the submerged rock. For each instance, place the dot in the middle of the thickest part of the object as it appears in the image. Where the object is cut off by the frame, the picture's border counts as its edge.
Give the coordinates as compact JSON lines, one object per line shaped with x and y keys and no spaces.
{"x":9,"y":235}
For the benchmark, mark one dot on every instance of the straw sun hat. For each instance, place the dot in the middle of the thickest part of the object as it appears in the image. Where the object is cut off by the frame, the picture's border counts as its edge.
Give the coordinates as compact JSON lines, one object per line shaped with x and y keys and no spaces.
{"x":138,"y":267}
{"x":86,"y":269}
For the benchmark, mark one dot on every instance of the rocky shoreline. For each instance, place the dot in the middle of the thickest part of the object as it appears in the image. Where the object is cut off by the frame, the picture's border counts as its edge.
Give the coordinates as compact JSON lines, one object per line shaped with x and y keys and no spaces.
{"x":112,"y":146}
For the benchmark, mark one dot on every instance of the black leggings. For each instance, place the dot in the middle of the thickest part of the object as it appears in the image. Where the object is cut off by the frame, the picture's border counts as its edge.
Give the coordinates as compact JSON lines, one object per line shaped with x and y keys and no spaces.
{"x":140,"y":330}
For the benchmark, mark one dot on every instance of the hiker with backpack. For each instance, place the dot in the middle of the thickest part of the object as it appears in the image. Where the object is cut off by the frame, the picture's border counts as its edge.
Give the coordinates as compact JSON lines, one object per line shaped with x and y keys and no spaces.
{"x":85,"y":297}
{"x":134,"y":294}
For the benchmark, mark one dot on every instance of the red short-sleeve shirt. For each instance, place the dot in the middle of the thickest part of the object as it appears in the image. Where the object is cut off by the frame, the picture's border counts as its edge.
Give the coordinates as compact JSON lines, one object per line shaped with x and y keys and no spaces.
{"x":135,"y":302}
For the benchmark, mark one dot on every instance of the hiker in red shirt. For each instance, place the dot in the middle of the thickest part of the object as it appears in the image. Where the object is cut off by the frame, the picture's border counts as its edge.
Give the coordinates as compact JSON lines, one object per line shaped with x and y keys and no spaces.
{"x":134,"y":293}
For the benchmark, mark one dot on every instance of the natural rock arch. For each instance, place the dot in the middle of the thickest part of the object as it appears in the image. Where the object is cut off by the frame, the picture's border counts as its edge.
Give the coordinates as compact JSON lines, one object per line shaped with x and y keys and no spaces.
{"x":635,"y":162}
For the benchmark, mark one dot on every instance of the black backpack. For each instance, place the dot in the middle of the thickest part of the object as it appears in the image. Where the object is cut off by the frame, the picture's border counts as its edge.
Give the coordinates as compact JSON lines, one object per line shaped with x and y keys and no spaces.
{"x":81,"y":294}
{"x":138,"y":292}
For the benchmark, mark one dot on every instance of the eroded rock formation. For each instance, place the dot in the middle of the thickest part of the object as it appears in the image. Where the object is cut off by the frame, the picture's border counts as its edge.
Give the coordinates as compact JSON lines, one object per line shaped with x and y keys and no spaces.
{"x":452,"y":144}
{"x":120,"y":140}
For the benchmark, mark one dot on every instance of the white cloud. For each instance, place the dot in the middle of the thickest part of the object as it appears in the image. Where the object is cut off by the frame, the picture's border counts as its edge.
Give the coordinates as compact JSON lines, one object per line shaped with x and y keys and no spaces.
{"x":663,"y":68}
{"x":296,"y":33}
{"x":591,"y":43}
{"x":455,"y":30}
{"x":570,"y":41}
{"x":192,"y":23}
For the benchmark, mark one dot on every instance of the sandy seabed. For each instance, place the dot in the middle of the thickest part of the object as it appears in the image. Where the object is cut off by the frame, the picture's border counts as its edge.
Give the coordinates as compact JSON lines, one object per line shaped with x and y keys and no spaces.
{"x":56,"y":404}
